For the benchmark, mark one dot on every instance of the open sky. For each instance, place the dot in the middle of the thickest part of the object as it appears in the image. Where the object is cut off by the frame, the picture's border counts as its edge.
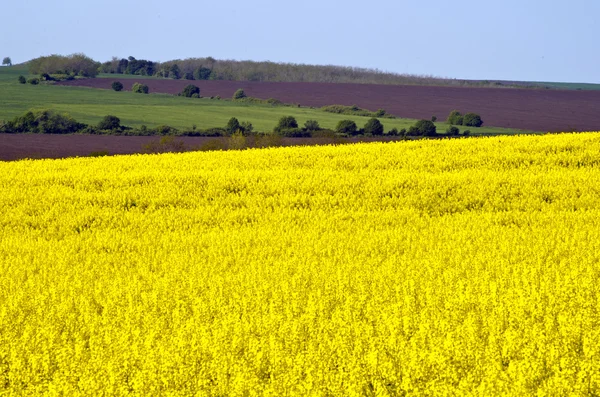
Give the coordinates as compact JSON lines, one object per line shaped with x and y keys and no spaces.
{"x":534,"y":40}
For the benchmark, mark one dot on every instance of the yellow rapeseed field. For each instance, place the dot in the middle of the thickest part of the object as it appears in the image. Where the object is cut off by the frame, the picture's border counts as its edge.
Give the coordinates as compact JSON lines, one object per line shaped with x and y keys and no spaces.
{"x":441,"y":268}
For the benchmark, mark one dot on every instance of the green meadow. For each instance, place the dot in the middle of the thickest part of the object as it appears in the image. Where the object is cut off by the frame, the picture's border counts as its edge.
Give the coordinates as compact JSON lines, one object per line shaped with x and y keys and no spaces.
{"x":89,"y":105}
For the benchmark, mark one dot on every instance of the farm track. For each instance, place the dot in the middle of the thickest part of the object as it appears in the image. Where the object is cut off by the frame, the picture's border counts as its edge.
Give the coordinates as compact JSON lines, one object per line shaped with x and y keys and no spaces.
{"x":531,"y":109}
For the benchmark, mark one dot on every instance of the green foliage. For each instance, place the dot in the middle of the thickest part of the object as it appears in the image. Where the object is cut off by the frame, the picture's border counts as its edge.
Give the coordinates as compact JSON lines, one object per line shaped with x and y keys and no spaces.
{"x":426,"y":127}
{"x":373,"y":127}
{"x":232,"y":126}
{"x":455,"y":118}
{"x":346,"y":127}
{"x":43,"y":122}
{"x":33,"y":81}
{"x":312,"y":126}
{"x":286,"y":123}
{"x":197,"y":95}
{"x":190,"y":90}
{"x":109,"y":123}
{"x":140,"y":88}
{"x":117,"y":86}
{"x":22,"y":79}
{"x":6,"y":61}
{"x":246,"y":127}
{"x":239,"y":94}
{"x":76,"y":64}
{"x":467,"y":133}
{"x":433,"y":119}
{"x":202,"y":73}
{"x":174,"y":72}
{"x":393,"y":132}
{"x":413,"y":131}
{"x":188,"y":76}
{"x":452,"y":131}
{"x":355,"y":111}
{"x":472,"y":120}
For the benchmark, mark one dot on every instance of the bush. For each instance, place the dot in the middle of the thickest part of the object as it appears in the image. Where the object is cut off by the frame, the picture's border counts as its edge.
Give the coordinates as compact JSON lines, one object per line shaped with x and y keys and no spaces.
{"x":402,"y":132}
{"x":425,"y":127}
{"x":140,"y":88}
{"x":380,"y":112}
{"x":433,"y":119}
{"x":467,"y":133}
{"x":109,"y":123}
{"x":43,"y":122}
{"x":246,"y":127}
{"x":452,"y":131}
{"x":286,"y":123}
{"x":232,"y":126}
{"x":239,"y":94}
{"x":346,"y":127}
{"x":196,"y":96}
{"x":413,"y":131}
{"x":472,"y":120}
{"x":117,"y":86}
{"x":33,"y":81}
{"x":190,"y":90}
{"x":373,"y":127}
{"x":393,"y":132}
{"x":22,"y":79}
{"x":455,"y":118}
{"x":312,"y":125}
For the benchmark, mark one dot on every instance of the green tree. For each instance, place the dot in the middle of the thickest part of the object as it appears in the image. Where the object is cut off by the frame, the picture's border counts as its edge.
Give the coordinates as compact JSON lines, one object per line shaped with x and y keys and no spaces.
{"x":190,"y":90}
{"x":346,"y":127}
{"x":117,"y":86}
{"x":140,"y":88}
{"x":232,"y":126}
{"x":7,"y":61}
{"x":425,"y":127}
{"x":286,"y":123}
{"x":109,"y":123}
{"x":452,"y":131}
{"x":312,"y":125}
{"x":455,"y":118}
{"x":239,"y":94}
{"x":174,"y":72}
{"x":22,"y":79}
{"x":472,"y":120}
{"x":373,"y":127}
{"x":202,"y":73}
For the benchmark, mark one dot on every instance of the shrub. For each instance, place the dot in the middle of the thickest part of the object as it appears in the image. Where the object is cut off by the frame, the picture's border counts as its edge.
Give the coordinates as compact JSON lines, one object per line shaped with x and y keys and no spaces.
{"x":380,"y":112}
{"x":402,"y":132}
{"x":46,"y":77}
{"x":196,"y":96}
{"x":165,"y":130}
{"x":346,"y":127}
{"x":373,"y":127}
{"x":22,"y":79}
{"x":393,"y":132}
{"x":467,"y":133}
{"x":286,"y":123}
{"x":43,"y":122}
{"x":312,"y":125}
{"x":140,"y":88}
{"x":452,"y":131}
{"x":433,"y":119}
{"x":246,"y":127}
{"x":190,"y":90}
{"x":33,"y":81}
{"x":455,"y":118}
{"x":426,"y":127}
{"x":472,"y":120}
{"x":239,"y":94}
{"x":117,"y":86}
{"x":109,"y":123}
{"x":413,"y":131}
{"x":232,"y":126}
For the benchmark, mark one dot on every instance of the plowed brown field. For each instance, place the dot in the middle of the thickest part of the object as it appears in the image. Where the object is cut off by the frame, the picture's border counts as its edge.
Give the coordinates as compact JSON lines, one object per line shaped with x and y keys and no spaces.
{"x":532,"y":109}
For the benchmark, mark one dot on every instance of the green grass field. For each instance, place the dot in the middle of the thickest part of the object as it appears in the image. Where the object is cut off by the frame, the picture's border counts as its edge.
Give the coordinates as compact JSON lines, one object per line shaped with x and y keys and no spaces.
{"x":89,"y":105}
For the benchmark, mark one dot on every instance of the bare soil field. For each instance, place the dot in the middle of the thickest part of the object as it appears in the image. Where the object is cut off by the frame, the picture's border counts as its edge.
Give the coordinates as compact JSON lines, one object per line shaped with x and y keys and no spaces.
{"x":39,"y":146}
{"x":532,"y":109}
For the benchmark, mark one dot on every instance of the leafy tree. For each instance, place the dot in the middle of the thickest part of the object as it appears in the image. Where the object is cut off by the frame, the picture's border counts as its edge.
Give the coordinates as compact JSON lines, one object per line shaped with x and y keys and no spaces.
{"x":455,"y":118}
{"x":34,"y":81}
{"x":202,"y":73}
{"x":425,"y":127}
{"x":117,"y":86}
{"x":452,"y":131}
{"x":22,"y":79}
{"x":373,"y":127}
{"x":7,"y":61}
{"x":43,"y":122}
{"x":190,"y":90}
{"x":140,"y":88}
{"x":393,"y":132}
{"x":472,"y":120}
{"x":312,"y":125}
{"x":286,"y":123}
{"x":110,"y":123}
{"x":174,"y":72}
{"x":413,"y":131}
{"x":188,"y":76}
{"x":346,"y":127}
{"x":434,"y":118}
{"x":232,"y":125}
{"x":239,"y":94}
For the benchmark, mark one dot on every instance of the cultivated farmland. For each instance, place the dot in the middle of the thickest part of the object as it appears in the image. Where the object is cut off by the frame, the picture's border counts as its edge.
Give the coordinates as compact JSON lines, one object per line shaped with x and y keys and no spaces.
{"x":448,"y":267}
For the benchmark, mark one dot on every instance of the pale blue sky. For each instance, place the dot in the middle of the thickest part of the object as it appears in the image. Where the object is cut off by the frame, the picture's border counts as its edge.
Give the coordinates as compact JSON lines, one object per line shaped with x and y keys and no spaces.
{"x":510,"y":40}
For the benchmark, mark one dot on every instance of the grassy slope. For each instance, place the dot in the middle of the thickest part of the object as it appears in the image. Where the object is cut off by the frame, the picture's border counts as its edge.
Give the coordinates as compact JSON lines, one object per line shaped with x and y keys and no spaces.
{"x":90,"y":105}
